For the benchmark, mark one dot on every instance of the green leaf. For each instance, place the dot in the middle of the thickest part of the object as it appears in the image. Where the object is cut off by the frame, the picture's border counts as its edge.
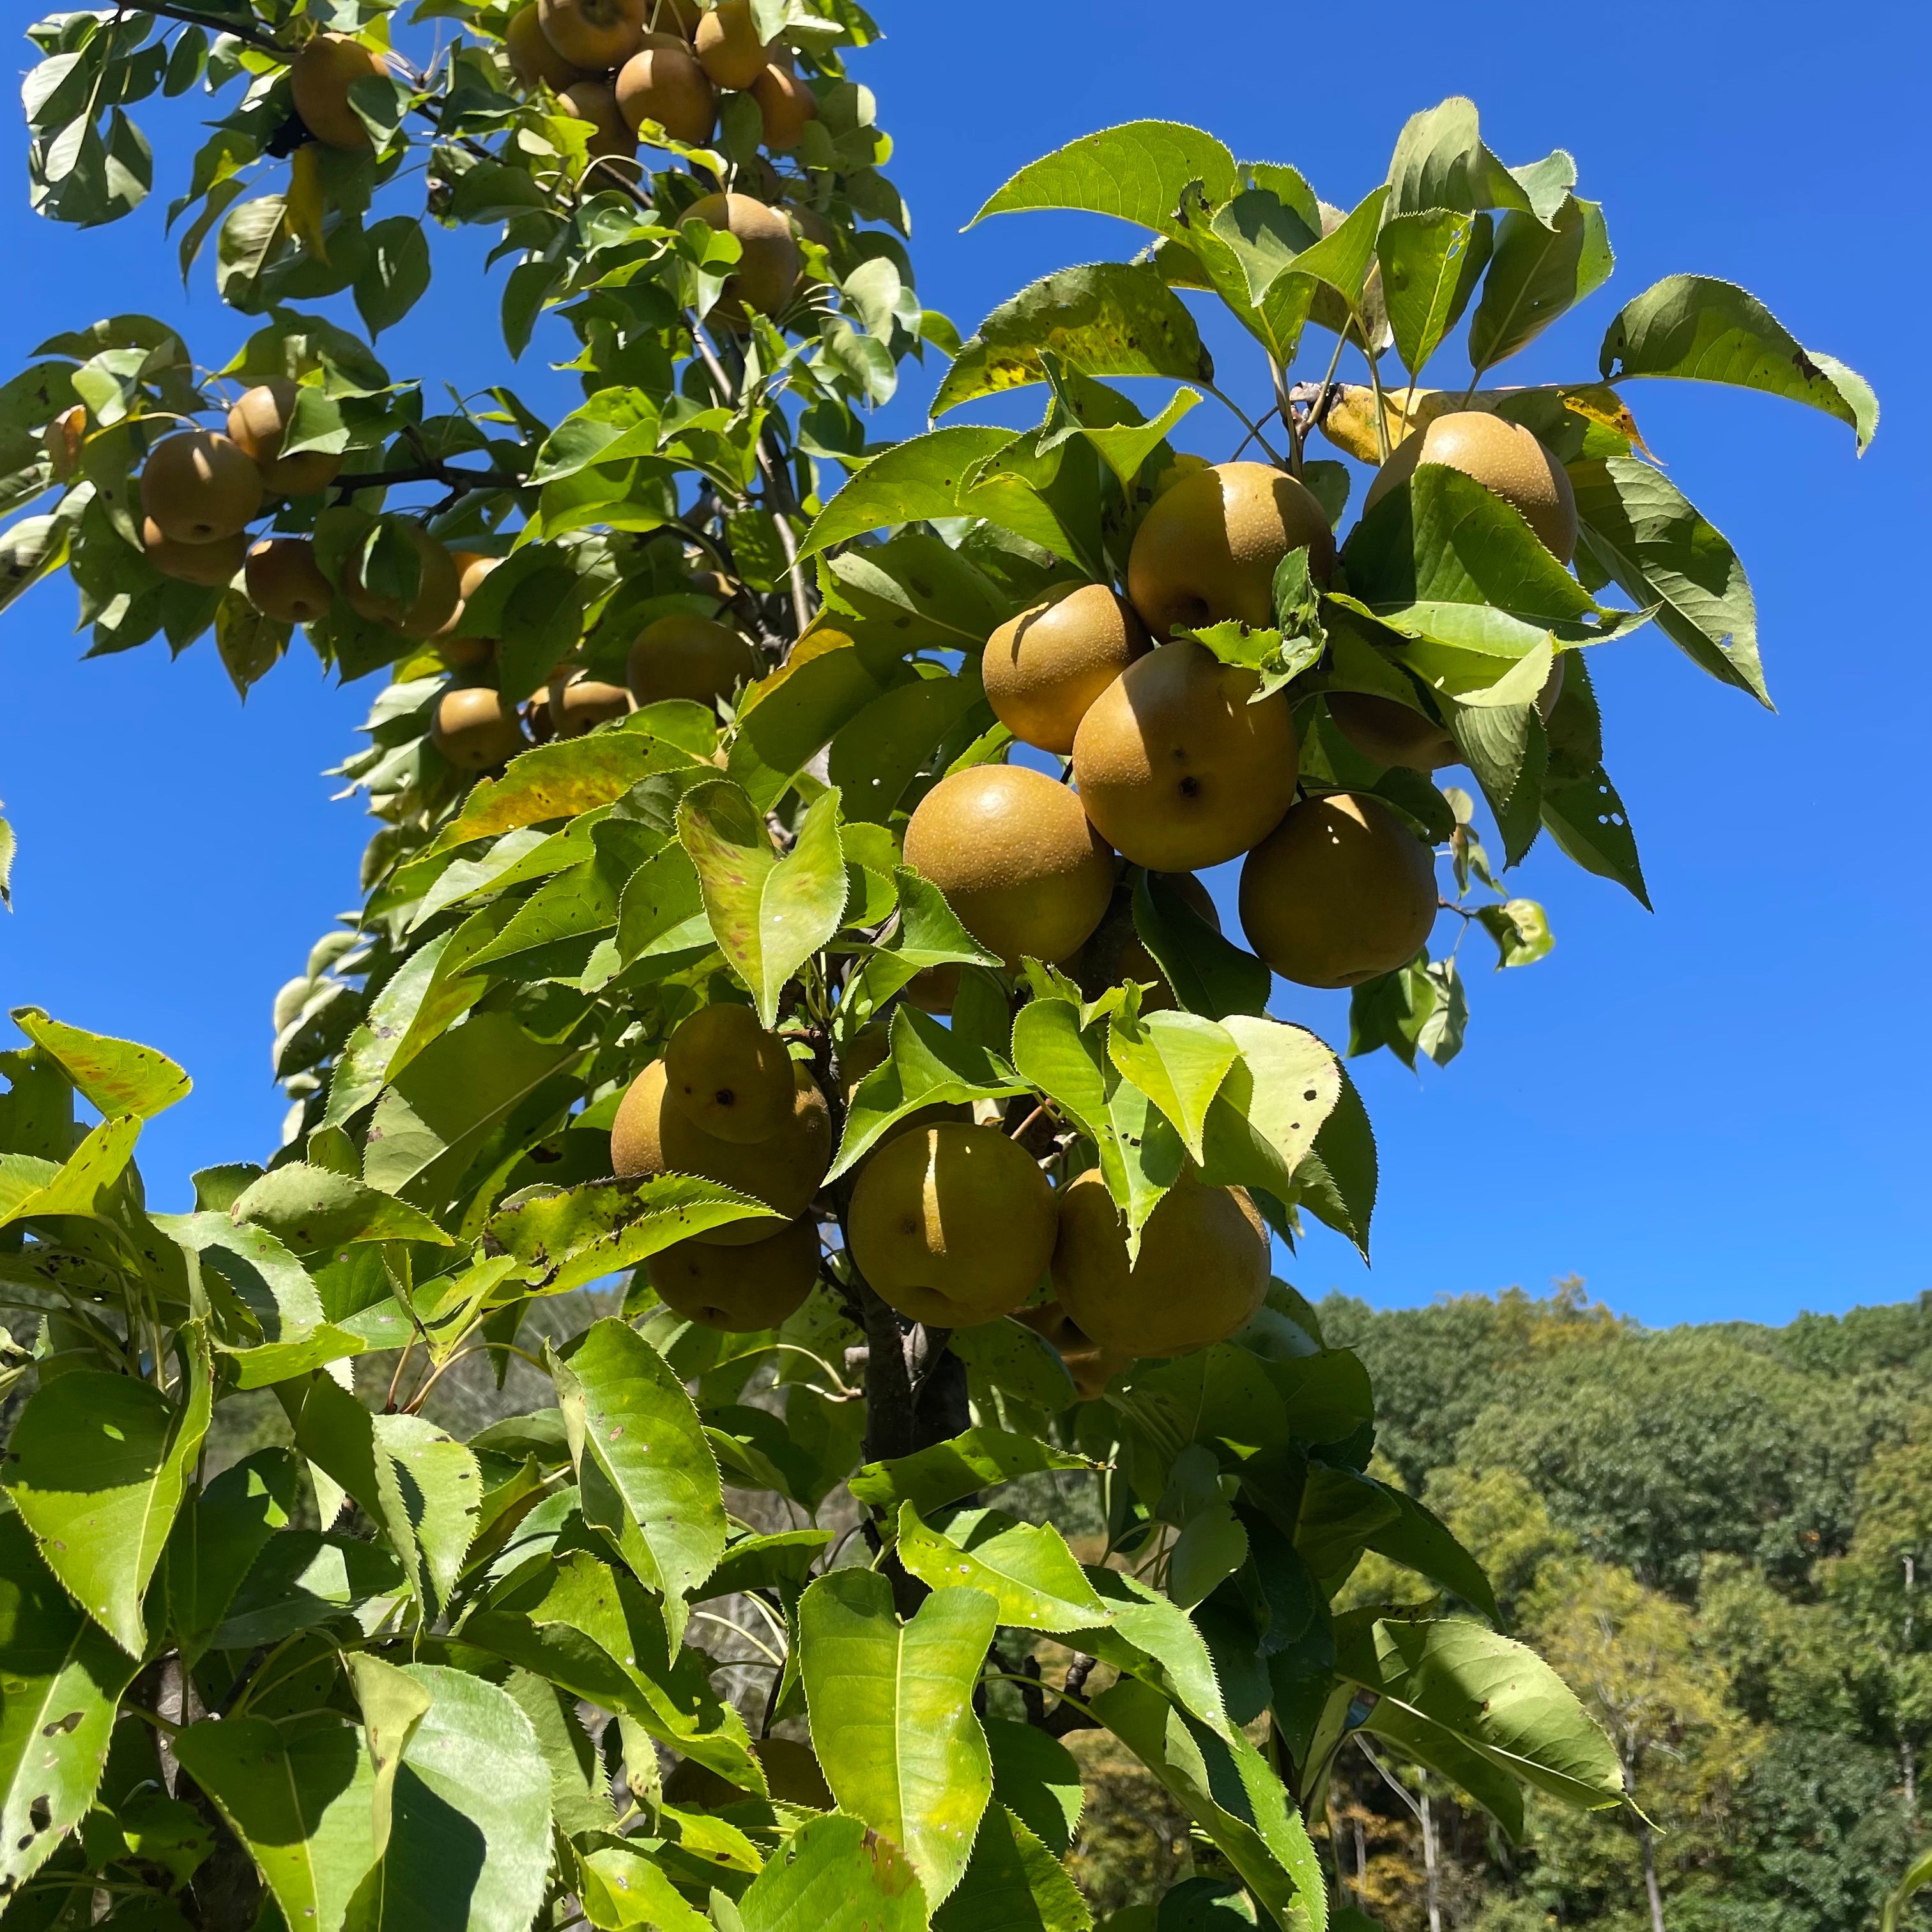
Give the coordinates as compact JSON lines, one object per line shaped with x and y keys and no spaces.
{"x":1520,"y":929}
{"x":1538,"y":272}
{"x":1125,"y":447}
{"x":647,"y":1472}
{"x":300,"y":1795}
{"x":468,"y":1846}
{"x":928,"y":1065}
{"x":1581,"y":806}
{"x":393,"y":1705}
{"x":1138,"y":172}
{"x":308,"y":1209}
{"x":1208,"y":1551}
{"x":877,"y":755}
{"x":892,"y":1714}
{"x":218,"y":1537}
{"x":1703,"y":330}
{"x":1026,"y":1568}
{"x":97,"y":1465}
{"x":61,"y":1679}
{"x":1916,"y":1879}
{"x":249,"y":644}
{"x":1014,"y":1884}
{"x":1017,"y":1362}
{"x":1225,"y":1786}
{"x":580,"y":1797}
{"x":1104,"y":319}
{"x":924,"y":476}
{"x":1659,"y":550}
{"x":1037,"y":1779}
{"x":1068,"y":1063}
{"x":581,"y":1234}
{"x":1179,"y":1061}
{"x":1153,"y":1638}
{"x":1418,"y":1539}
{"x":1343,"y":259}
{"x":1440,"y":161}
{"x":83,"y":1183}
{"x":769,"y":914}
{"x":1431,"y":261}
{"x":1446,"y":561}
{"x":559,"y":781}
{"x":1336,"y":1181}
{"x":1268,"y":1116}
{"x":117,"y":1076}
{"x":1499,"y":1697}
{"x":421,"y":1487}
{"x":620,"y":1888}
{"x":980,"y":1459}
{"x":1209,"y":974}
{"x":466,"y":1095}
{"x":394,"y":273}
{"x":834,"y":1875}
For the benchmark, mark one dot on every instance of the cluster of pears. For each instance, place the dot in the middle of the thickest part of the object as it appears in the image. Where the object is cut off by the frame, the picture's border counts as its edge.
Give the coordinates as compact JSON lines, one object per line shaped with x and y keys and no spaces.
{"x":952,"y":1222}
{"x":622,"y":64}
{"x":1173,"y":767}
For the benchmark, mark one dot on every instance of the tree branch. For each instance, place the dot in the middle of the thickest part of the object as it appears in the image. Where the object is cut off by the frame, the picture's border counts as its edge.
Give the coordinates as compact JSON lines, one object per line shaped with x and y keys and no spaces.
{"x":213,"y":24}
{"x":461,"y":481}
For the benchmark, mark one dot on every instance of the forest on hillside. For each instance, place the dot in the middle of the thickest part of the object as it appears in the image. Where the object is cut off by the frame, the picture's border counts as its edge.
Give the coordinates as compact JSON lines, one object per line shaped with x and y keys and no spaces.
{"x":1719,"y":1535}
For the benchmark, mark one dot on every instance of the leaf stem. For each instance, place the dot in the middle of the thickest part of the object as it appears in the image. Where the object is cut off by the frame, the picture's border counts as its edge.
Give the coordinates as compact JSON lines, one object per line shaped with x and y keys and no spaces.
{"x":1254,"y":429}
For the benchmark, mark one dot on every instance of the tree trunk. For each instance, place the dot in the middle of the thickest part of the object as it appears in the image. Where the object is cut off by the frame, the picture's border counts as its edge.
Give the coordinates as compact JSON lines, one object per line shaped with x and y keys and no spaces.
{"x":1648,"y":1842}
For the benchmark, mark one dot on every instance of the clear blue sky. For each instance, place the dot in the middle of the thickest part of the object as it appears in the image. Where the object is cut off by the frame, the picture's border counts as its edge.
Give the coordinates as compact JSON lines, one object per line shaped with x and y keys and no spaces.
{"x":1717,"y":1111}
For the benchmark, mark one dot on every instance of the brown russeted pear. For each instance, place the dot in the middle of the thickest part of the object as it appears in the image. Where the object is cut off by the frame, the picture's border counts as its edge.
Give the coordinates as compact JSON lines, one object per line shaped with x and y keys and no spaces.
{"x":1391,"y":733}
{"x":577,"y":703}
{"x":259,"y":422}
{"x":739,"y":1289}
{"x":475,"y":730}
{"x":728,"y":43}
{"x":532,"y":58}
{"x":199,"y":487}
{"x":1175,"y":766}
{"x":594,"y":35}
{"x":319,"y":78}
{"x":1502,"y":456}
{"x":767,"y":270}
{"x":726,"y":1074}
{"x":283,"y":580}
{"x":1044,"y":667}
{"x":952,"y":1225}
{"x":1207,"y":549}
{"x":1014,"y":856}
{"x":472,"y":568}
{"x":439,"y":588}
{"x":596,"y":101}
{"x":1342,"y":891}
{"x":650,"y":1137}
{"x":664,"y":82}
{"x":204,"y":563}
{"x":786,"y":106}
{"x":1202,"y":1272}
{"x":684,"y":656}
{"x":1091,"y":1367}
